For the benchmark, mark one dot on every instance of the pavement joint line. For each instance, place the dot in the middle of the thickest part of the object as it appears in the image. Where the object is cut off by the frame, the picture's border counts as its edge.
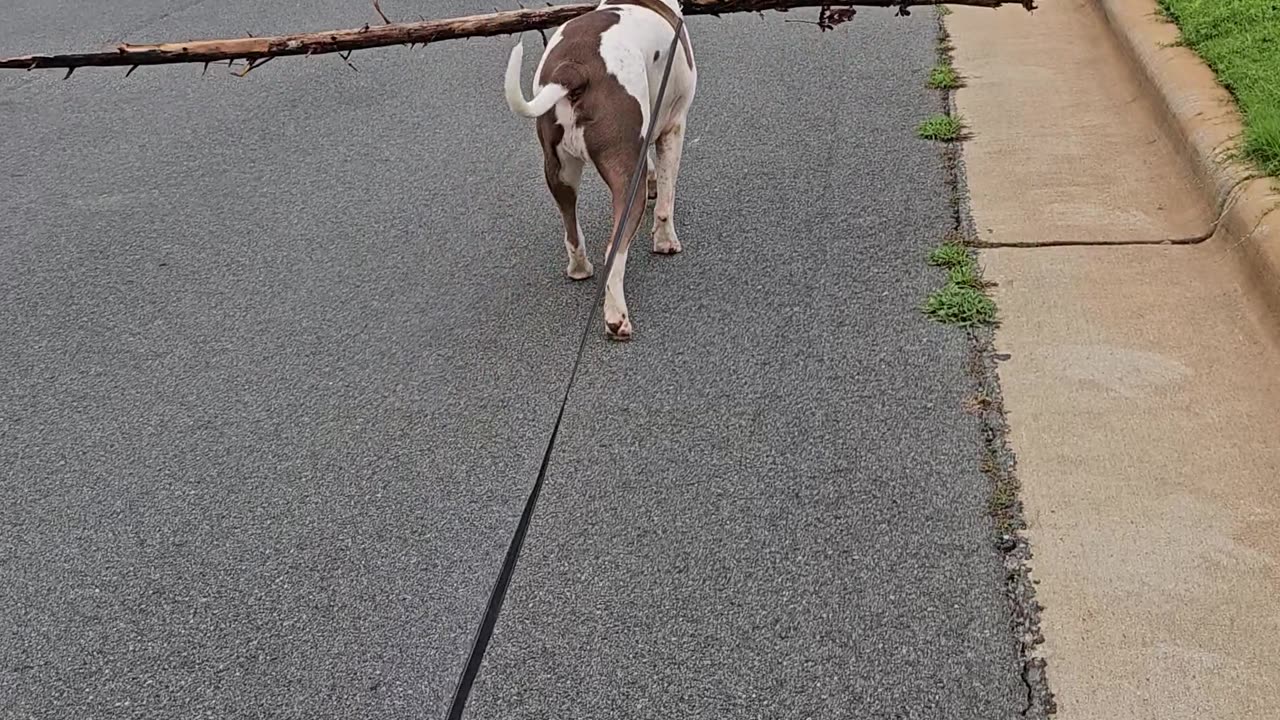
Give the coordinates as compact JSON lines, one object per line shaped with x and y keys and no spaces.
{"x":986,"y":245}
{"x":1203,"y":237}
{"x":999,"y":461}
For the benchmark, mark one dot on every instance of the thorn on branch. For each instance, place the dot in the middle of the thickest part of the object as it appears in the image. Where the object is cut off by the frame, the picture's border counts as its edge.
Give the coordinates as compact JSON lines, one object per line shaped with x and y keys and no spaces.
{"x":69,"y":71}
{"x":205,"y":70}
{"x":347,"y":59}
{"x":903,"y":10}
{"x":543,"y":33}
{"x":130,"y":72}
{"x":254,"y":65}
{"x":378,"y":8}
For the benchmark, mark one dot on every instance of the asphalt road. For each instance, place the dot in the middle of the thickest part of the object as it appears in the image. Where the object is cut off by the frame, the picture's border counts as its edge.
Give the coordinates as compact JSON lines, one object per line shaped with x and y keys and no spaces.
{"x":278,"y":356}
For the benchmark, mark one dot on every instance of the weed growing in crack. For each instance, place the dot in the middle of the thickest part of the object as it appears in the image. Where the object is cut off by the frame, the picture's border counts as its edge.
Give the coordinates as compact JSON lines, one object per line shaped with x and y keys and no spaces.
{"x":960,"y":305}
{"x":965,"y":276}
{"x":949,"y":254}
{"x":963,"y":300}
{"x":944,"y":77}
{"x":943,"y":128}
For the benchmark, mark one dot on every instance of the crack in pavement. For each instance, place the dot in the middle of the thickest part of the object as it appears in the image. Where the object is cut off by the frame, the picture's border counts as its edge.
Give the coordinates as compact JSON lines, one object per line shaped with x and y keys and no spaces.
{"x":1194,"y":240}
{"x":999,"y":462}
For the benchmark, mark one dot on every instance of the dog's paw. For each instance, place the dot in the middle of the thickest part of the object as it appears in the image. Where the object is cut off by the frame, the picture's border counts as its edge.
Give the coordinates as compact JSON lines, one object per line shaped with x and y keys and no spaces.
{"x":619,"y":330}
{"x":579,"y":270}
{"x":665,"y":241}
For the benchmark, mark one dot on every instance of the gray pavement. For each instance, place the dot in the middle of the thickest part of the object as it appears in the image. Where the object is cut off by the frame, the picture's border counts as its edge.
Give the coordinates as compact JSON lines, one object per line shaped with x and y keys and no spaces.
{"x":278,"y":356}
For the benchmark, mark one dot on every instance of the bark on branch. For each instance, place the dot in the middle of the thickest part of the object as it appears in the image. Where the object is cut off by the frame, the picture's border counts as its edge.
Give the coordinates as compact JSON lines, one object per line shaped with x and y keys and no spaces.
{"x":257,"y":50}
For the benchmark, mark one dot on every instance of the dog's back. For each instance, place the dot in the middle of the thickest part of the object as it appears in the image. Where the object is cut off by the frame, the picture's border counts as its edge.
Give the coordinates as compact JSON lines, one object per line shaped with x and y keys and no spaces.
{"x":607,"y":65}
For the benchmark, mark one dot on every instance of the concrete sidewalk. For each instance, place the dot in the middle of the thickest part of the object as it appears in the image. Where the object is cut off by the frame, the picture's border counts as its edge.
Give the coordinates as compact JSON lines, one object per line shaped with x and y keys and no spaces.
{"x":1142,"y":386}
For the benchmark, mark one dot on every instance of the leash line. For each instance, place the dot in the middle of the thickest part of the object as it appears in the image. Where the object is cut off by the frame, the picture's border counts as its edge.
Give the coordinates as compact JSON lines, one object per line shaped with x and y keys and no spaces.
{"x":498,"y":594}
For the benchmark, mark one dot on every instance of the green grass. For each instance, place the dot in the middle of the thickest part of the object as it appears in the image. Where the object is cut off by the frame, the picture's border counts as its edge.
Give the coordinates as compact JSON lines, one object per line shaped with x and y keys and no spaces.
{"x":944,"y":77}
{"x":963,"y":300}
{"x":949,"y":254}
{"x":1240,"y":40}
{"x":965,"y":276}
{"x":957,"y":305}
{"x":941,"y":127}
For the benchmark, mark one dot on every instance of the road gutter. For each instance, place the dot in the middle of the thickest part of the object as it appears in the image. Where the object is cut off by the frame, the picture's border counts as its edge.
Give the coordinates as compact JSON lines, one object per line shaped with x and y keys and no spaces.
{"x":998,"y":460}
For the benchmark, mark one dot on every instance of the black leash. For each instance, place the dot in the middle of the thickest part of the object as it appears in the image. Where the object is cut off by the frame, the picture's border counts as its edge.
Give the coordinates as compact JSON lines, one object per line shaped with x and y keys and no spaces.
{"x":499,"y":592}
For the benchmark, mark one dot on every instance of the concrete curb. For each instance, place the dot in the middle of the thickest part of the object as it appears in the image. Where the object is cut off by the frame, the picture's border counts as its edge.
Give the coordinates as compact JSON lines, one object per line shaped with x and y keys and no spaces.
{"x":1202,"y":118}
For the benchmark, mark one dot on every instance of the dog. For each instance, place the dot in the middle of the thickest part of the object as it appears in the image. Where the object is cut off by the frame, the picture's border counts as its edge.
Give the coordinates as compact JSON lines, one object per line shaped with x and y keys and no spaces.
{"x":593,"y":94}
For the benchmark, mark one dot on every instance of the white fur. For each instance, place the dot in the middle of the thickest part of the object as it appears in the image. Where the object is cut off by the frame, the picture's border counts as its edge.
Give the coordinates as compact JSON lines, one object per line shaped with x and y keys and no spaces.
{"x":542,"y":101}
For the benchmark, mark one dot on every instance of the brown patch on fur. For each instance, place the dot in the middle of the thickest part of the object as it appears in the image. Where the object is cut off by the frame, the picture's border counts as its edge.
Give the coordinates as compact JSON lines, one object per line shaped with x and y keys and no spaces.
{"x":610,"y":118}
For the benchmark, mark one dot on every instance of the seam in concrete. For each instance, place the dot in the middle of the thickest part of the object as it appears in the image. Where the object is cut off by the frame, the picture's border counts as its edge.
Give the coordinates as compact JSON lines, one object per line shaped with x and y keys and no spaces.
{"x":998,"y":461}
{"x":1196,"y":240}
{"x":1233,"y":194}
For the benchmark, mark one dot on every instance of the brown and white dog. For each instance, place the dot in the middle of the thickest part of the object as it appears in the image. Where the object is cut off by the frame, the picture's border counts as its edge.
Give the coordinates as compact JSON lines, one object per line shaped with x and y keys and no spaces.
{"x":593,"y":94}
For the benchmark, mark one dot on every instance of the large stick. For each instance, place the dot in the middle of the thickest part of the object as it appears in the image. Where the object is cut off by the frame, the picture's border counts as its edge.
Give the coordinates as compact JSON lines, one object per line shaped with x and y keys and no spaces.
{"x":257,"y":50}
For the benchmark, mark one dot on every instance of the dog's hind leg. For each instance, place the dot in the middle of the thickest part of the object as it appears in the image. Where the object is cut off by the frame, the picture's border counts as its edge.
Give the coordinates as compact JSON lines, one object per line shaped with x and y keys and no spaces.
{"x":564,"y":173}
{"x":564,"y":187}
{"x":670,"y":146}
{"x":615,"y":166}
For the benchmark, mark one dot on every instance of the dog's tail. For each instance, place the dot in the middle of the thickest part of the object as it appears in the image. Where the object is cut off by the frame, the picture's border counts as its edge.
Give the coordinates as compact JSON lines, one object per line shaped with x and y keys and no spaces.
{"x":542,"y":102}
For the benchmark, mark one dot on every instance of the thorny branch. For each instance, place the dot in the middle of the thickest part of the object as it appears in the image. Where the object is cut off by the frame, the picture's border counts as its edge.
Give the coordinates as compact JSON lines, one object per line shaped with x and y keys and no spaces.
{"x":256,"y":51}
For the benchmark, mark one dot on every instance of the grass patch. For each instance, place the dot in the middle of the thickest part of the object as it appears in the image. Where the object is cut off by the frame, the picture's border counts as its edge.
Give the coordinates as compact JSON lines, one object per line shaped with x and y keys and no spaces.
{"x":965,"y":276}
{"x":963,"y":300}
{"x":943,"y":128}
{"x":950,"y":254}
{"x":944,"y":77}
{"x":959,"y":305}
{"x":1240,"y":40}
